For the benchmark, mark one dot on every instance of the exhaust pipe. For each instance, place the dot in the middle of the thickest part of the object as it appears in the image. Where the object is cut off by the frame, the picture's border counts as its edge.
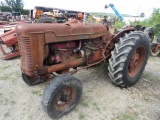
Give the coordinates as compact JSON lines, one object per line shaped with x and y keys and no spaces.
{"x":84,"y":18}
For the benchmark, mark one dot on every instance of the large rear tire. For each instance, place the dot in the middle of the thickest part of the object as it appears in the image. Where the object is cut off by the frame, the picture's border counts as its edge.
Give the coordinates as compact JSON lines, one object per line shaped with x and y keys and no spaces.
{"x":150,"y":32}
{"x":61,"y":96}
{"x":129,"y":58}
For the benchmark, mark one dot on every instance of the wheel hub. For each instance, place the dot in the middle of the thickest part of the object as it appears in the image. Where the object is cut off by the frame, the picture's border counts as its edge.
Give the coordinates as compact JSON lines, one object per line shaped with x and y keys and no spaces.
{"x":65,"y":98}
{"x":136,"y":61}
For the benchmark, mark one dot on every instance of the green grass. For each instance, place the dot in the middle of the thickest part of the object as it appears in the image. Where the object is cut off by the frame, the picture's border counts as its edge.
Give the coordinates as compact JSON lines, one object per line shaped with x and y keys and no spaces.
{"x":5,"y":67}
{"x":7,"y":114}
{"x":90,"y":90}
{"x":85,"y":104}
{"x":1,"y":101}
{"x":30,"y":117}
{"x":14,"y":80}
{"x":6,"y":76}
{"x":17,"y":73}
{"x":43,"y":85}
{"x":13,"y":102}
{"x":36,"y":92}
{"x":76,"y":109}
{"x":152,"y":58}
{"x":94,"y":104}
{"x":6,"y":101}
{"x":150,"y":77}
{"x":81,"y":116}
{"x":98,"y":109}
{"x":125,"y":116}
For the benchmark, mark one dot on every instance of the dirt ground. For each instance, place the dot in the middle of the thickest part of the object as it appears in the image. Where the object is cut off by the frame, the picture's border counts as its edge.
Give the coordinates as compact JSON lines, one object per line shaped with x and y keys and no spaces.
{"x":101,"y":100}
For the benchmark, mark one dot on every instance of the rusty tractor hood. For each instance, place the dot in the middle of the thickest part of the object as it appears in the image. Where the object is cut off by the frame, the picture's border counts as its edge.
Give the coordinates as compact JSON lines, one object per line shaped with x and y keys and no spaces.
{"x":59,"y":32}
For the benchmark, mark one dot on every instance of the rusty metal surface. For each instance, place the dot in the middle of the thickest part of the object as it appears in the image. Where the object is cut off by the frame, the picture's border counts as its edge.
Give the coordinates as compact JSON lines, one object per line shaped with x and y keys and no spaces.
{"x":65,"y":98}
{"x":32,"y":52}
{"x":47,"y":48}
{"x":75,"y":31}
{"x":64,"y":66}
{"x":2,"y":50}
{"x":121,"y":34}
{"x":7,"y":33}
{"x":4,"y":22}
{"x":10,"y":55}
{"x":8,"y":27}
{"x":9,"y":38}
{"x":136,"y":61}
{"x":155,"y":50}
{"x":63,"y":32}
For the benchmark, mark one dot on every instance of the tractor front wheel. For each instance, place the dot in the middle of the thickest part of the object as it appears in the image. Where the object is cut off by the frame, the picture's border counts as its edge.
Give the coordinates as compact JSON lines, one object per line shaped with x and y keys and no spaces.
{"x":129,"y":58}
{"x":61,"y":96}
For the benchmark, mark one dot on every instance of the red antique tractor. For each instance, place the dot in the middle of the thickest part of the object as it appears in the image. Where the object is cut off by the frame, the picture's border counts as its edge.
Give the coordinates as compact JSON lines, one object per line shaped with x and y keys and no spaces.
{"x":66,"y":48}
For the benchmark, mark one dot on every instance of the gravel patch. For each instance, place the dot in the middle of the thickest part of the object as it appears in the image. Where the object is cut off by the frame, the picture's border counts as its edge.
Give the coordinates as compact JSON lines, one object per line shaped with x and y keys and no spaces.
{"x":101,"y":100}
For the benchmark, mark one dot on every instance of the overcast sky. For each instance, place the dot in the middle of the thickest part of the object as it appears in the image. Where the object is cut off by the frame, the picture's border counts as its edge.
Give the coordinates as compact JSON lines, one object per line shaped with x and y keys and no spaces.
{"x":132,"y":7}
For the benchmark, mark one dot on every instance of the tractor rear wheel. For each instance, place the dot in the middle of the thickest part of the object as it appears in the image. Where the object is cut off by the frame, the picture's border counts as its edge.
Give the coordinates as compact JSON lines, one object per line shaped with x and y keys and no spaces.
{"x":61,"y":96}
{"x":129,"y":58}
{"x":154,"y":50}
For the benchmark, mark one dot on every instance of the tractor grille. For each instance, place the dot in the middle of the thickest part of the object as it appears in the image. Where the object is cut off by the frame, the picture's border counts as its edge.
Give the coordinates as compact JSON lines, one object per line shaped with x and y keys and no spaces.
{"x":25,"y":51}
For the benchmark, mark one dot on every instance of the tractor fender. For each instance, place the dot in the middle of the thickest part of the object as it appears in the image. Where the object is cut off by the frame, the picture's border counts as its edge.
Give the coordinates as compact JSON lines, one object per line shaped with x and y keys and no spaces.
{"x":121,"y":34}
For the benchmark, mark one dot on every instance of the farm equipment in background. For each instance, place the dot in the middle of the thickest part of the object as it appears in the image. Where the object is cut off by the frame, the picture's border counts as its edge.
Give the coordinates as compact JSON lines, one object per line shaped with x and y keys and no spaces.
{"x":66,"y":48}
{"x":50,"y":15}
{"x":5,"y":16}
{"x":111,"y":21}
{"x":9,"y":39}
{"x":42,"y":14}
{"x":4,"y":22}
{"x":115,"y":10}
{"x":155,"y":47}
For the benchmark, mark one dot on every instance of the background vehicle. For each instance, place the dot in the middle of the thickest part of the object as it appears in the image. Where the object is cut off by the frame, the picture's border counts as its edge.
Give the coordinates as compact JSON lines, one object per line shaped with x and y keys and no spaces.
{"x":155,"y":47}
{"x":45,"y":14}
{"x":5,"y":16}
{"x":9,"y":39}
